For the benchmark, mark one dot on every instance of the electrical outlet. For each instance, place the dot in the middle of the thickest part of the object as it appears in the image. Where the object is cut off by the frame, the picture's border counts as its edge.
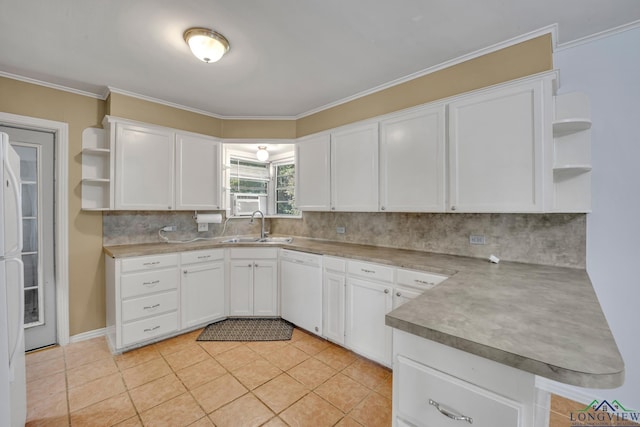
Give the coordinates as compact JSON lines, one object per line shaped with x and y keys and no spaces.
{"x":477,"y":239}
{"x":341,"y":230}
{"x":203,"y":226}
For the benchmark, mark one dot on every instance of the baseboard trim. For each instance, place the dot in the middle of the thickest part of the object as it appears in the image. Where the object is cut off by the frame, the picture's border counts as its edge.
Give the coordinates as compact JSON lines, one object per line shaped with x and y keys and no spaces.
{"x":88,"y":335}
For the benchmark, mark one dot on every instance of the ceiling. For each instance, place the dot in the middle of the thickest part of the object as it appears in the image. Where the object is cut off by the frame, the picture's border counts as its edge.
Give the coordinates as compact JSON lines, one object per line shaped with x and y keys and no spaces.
{"x":287,"y":57}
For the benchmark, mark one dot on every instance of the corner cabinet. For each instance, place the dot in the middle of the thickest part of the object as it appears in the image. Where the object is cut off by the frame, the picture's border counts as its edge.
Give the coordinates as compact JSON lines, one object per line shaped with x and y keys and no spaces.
{"x":496,"y":148}
{"x":313,"y":171}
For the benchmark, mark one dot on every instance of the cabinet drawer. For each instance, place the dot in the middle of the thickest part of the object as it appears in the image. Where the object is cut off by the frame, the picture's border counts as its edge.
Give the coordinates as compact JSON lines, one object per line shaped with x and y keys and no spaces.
{"x":148,"y":282}
{"x":254,"y":253}
{"x":146,"y":329}
{"x":149,"y":262}
{"x":371,"y":271}
{"x":138,"y":308}
{"x":334,"y":264}
{"x":201,"y":256}
{"x":419,"y":279}
{"x":418,"y":385}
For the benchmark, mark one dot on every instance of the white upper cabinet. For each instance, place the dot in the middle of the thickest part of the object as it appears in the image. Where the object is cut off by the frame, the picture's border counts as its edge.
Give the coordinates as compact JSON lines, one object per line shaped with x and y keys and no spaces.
{"x":496,"y":142}
{"x":198,"y":181}
{"x":144,"y":168}
{"x":313,"y":173}
{"x":412,"y":161}
{"x":354,"y":168}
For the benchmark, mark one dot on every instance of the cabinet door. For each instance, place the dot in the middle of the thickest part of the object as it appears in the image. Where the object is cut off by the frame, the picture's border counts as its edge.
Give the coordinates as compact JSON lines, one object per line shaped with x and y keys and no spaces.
{"x":495,"y":150}
{"x":198,"y":169}
{"x":313,"y":190}
{"x":367,"y":305}
{"x":203,"y":296}
{"x":333,"y":306}
{"x":354,"y":169}
{"x":144,"y":168}
{"x":241,"y":288}
{"x":265,"y":288}
{"x":412,"y":162}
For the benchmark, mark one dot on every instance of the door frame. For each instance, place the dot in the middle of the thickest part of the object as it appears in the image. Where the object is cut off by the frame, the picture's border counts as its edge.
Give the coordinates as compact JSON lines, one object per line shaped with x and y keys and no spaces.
{"x":61,"y":131}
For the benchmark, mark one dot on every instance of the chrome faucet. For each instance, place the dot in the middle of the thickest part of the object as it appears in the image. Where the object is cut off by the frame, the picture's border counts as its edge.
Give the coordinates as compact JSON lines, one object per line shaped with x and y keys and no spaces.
{"x":253,"y":215}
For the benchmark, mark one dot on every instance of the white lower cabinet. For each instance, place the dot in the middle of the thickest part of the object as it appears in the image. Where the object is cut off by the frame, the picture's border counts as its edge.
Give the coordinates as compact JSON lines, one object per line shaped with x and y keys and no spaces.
{"x":253,"y":282}
{"x":436,"y":385}
{"x":202,"y":287}
{"x":368,"y":302}
{"x":334,"y":283}
{"x":142,"y":299}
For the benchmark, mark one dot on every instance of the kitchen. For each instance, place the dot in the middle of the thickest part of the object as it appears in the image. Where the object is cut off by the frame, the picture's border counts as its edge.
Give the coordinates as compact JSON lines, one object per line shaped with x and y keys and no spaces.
{"x":86,"y":281}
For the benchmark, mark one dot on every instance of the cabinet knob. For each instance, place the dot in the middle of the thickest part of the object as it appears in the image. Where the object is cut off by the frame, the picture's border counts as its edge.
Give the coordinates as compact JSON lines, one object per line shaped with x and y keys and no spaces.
{"x":453,"y":208}
{"x":169,"y":207}
{"x":382,"y":208}
{"x":386,"y":291}
{"x":255,"y":265}
{"x":398,"y":294}
{"x":250,"y":265}
{"x":333,"y":208}
{"x":185,"y":272}
{"x":317,"y":329}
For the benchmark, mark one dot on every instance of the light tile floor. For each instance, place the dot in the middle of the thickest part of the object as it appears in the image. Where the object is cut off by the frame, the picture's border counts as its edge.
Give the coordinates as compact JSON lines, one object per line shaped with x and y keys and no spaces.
{"x":180,"y":381}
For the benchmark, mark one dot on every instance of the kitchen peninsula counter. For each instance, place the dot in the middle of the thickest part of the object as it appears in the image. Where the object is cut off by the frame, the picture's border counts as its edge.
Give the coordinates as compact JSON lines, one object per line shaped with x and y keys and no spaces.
{"x":541,"y":319}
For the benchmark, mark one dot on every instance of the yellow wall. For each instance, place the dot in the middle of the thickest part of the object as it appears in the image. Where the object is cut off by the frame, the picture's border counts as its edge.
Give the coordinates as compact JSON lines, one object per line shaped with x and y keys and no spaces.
{"x":86,"y":268}
{"x":523,"y":59}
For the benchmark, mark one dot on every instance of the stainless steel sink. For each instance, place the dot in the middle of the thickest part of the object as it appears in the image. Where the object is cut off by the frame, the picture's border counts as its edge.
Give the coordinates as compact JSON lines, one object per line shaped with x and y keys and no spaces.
{"x":258,"y":240}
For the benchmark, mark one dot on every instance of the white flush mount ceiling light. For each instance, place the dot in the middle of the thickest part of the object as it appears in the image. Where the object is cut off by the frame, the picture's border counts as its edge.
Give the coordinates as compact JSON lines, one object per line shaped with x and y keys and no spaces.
{"x":206,"y":44}
{"x":262,"y":154}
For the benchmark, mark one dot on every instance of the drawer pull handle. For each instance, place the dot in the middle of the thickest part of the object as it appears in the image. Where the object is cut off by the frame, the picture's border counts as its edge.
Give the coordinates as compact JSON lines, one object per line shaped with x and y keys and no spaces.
{"x":204,"y":256}
{"x":367,"y":271}
{"x":151,"y":307}
{"x":151,"y":284}
{"x":448,"y":413}
{"x":152,"y":329}
{"x":152,"y":263}
{"x":423,"y":282}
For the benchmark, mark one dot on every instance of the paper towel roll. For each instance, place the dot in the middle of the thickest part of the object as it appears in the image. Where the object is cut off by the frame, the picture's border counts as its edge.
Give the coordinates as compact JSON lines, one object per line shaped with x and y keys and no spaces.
{"x":209,"y":218}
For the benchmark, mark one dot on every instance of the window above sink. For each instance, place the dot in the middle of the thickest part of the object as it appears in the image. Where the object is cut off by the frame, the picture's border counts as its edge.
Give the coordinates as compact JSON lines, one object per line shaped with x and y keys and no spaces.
{"x":268,"y":184}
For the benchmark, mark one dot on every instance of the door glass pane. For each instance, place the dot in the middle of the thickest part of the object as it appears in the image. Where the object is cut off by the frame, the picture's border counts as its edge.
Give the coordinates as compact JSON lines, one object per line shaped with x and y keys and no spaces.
{"x":30,"y":177}
{"x":31,"y":309}
{"x":30,"y":270}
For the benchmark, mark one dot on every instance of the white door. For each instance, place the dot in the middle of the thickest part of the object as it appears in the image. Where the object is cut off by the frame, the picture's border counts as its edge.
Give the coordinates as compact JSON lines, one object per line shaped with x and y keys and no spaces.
{"x":203,"y":296}
{"x":333,"y":306}
{"x":354,"y":169}
{"x":36,"y":150}
{"x":495,"y":151}
{"x":265,"y":288}
{"x":313,"y":173}
{"x":241,"y":288}
{"x":367,"y":305}
{"x":412,"y":162}
{"x":198,"y":179}
{"x":144,"y":168}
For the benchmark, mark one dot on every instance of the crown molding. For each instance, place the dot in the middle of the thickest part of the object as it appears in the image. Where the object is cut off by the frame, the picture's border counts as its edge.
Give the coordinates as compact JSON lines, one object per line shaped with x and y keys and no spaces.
{"x":597,"y":36}
{"x":549,"y":29}
{"x":52,"y":85}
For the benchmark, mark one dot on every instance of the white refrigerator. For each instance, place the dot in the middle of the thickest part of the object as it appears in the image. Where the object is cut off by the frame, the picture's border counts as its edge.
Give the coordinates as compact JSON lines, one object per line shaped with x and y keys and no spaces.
{"x":13,"y":389}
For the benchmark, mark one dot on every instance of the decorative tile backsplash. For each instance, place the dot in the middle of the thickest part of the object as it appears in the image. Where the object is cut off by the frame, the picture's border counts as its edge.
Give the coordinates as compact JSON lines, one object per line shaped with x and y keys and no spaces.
{"x":550,"y":239}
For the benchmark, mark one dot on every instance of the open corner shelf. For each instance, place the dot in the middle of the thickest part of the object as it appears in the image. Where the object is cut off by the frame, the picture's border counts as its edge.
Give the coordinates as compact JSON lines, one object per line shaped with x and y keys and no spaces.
{"x":571,"y":125}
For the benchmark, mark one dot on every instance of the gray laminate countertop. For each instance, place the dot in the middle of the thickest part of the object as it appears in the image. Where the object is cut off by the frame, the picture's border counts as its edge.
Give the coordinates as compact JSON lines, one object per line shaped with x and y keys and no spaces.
{"x":541,"y":319}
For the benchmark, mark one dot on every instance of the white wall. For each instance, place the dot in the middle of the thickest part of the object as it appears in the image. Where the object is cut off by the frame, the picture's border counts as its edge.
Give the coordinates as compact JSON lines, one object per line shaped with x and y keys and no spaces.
{"x":608,"y":70}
